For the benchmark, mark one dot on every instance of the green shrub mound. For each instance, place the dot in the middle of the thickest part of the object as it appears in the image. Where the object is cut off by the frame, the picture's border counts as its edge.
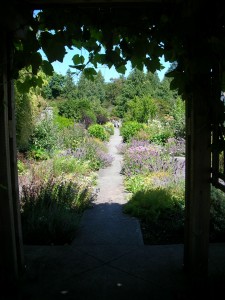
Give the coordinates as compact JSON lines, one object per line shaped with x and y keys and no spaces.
{"x":51,"y":211}
{"x":160,"y":213}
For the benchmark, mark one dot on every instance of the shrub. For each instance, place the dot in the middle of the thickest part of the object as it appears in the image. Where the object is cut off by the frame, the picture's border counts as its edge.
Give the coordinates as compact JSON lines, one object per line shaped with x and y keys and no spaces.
{"x":69,"y":164}
{"x":97,"y":154}
{"x":175,"y":147}
{"x":161,"y":214}
{"x":149,"y":205}
{"x":72,"y":137}
{"x":99,"y":132}
{"x":44,"y":136}
{"x":141,"y":135}
{"x":109,"y":128}
{"x":69,"y":109}
{"x":102,"y":119}
{"x":142,"y":157}
{"x":63,"y":122}
{"x":158,"y":133}
{"x":22,"y":168}
{"x":50,"y":211}
{"x":129,"y":129}
{"x":38,"y":153}
{"x":135,"y":183}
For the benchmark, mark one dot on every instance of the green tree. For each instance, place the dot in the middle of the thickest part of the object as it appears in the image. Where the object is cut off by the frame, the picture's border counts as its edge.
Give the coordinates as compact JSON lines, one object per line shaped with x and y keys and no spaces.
{"x":113,"y":89}
{"x":28,"y":108}
{"x":136,"y":85}
{"x":178,"y":113}
{"x":24,"y":120}
{"x":91,"y":89}
{"x":165,"y":92}
{"x":55,"y":87}
{"x":80,"y":110}
{"x":141,"y":109}
{"x":69,"y":90}
{"x":99,"y":84}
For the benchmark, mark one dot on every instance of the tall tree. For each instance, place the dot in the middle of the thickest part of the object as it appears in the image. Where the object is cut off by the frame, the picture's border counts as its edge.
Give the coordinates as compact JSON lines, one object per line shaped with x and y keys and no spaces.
{"x":69,"y":89}
{"x":141,"y":109}
{"x":55,"y":87}
{"x":136,"y":85}
{"x":113,"y":89}
{"x":91,"y":89}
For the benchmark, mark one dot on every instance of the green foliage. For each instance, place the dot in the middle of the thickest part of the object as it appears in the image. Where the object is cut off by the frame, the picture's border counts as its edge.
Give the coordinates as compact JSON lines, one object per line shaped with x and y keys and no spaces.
{"x":97,"y":154}
{"x":80,"y":110}
{"x":72,"y":137}
{"x":165,"y":92}
{"x":126,"y":42}
{"x":161,"y":138}
{"x":63,"y":122}
{"x":50,"y":211}
{"x":157,"y":132}
{"x":88,"y":118}
{"x":140,"y":109}
{"x":148,"y":205}
{"x":161,"y":213}
{"x":55,"y":86}
{"x":109,"y":127}
{"x":113,"y":89}
{"x":38,"y":153}
{"x":21,"y":167}
{"x":24,"y":120}
{"x":129,"y":129}
{"x":68,"y":109}
{"x":135,"y":183}
{"x":136,"y":85}
{"x":69,"y":164}
{"x":91,"y":89}
{"x":69,"y":88}
{"x":27,"y":108}
{"x":178,"y":113}
{"x":99,"y":132}
{"x":44,"y":136}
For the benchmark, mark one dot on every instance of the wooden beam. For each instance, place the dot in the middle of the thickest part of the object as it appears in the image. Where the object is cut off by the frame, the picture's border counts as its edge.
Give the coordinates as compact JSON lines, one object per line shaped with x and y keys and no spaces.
{"x":10,"y":234}
{"x":198,"y":163}
{"x":13,"y":167}
{"x":109,"y":2}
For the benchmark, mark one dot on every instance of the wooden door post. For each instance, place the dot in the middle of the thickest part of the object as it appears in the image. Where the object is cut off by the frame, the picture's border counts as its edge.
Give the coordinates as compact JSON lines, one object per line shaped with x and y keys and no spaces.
{"x":198,"y":163}
{"x":11,"y":254}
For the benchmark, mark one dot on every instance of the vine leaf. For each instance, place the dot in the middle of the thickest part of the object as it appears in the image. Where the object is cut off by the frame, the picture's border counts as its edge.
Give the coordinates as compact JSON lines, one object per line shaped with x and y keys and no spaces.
{"x":53,"y":46}
{"x":36,"y":61}
{"x":47,"y":68}
{"x":89,"y":73}
{"x":78,"y":59}
{"x":78,"y":67}
{"x":30,"y":81}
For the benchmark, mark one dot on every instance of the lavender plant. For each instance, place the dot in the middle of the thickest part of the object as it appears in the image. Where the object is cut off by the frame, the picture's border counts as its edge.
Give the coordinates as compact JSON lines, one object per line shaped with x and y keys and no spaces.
{"x":141,"y":157}
{"x":50,"y":211}
{"x":155,"y":179}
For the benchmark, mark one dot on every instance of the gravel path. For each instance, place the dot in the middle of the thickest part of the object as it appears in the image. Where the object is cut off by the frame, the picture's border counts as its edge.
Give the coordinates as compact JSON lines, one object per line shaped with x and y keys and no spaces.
{"x":105,"y":223}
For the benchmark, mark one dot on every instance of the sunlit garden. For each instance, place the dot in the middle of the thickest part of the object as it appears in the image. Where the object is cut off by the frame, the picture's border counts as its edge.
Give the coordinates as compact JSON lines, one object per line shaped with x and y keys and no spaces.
{"x":62,"y":133}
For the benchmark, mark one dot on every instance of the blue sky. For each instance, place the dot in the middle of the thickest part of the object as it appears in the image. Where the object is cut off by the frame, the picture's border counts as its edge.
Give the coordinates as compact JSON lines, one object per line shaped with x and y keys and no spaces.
{"x":61,"y":68}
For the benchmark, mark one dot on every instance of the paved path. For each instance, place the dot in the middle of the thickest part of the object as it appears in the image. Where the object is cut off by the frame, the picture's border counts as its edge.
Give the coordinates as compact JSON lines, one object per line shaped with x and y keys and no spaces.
{"x":105,"y":223}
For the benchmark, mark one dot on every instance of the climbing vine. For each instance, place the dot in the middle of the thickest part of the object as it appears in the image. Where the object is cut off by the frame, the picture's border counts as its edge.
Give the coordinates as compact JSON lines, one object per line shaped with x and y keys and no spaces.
{"x":140,"y":33}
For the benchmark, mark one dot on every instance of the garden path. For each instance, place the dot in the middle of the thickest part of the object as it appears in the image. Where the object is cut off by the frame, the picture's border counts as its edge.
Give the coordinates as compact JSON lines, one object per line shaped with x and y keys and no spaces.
{"x":105,"y":223}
